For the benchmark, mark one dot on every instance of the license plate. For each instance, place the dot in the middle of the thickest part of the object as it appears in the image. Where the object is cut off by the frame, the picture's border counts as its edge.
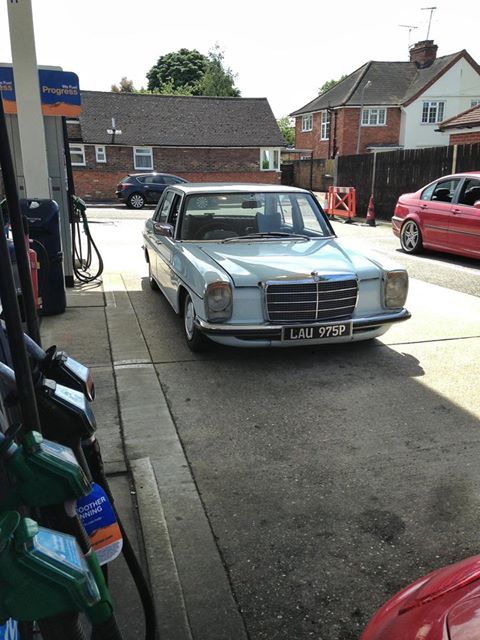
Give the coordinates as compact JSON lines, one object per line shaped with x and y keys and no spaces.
{"x":318,"y":332}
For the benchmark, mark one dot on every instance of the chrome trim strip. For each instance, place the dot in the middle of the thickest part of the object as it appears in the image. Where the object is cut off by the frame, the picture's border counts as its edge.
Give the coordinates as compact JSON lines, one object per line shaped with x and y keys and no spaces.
{"x":357,"y":323}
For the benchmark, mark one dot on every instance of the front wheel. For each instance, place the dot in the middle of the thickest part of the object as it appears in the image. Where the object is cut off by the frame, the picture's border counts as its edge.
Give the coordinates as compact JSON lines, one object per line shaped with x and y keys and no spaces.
{"x":411,"y":237}
{"x":136,"y":201}
{"x":195,"y":339}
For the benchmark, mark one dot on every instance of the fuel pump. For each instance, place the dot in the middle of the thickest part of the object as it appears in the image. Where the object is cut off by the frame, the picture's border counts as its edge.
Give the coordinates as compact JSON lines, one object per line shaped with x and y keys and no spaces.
{"x":65,"y":518}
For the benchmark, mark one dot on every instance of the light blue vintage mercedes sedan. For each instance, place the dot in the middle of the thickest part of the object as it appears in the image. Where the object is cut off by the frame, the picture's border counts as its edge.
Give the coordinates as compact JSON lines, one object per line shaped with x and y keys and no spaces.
{"x":259,"y":265}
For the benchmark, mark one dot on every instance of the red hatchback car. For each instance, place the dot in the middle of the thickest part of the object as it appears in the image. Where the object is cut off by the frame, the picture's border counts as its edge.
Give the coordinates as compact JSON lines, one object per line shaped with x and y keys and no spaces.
{"x":443,"y":605}
{"x":444,"y":215}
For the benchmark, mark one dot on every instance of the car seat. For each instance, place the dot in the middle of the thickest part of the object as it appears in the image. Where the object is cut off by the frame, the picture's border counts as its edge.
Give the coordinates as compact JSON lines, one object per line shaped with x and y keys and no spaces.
{"x":471,"y":196}
{"x":267,"y":222}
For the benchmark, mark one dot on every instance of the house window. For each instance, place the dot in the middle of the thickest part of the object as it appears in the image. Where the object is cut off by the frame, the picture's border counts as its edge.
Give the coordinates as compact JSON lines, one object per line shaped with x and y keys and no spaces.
{"x":142,"y":157}
{"x":100,"y":153}
{"x":77,"y":155}
{"x":307,"y":122}
{"x":270,"y":159}
{"x":374,"y":117}
{"x":325,"y":126}
{"x":432,"y":111}
{"x":474,"y":103}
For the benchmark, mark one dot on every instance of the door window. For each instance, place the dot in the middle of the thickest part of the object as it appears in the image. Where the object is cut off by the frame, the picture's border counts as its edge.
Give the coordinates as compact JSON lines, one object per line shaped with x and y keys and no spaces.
{"x":163,"y":208}
{"x":470,"y":192}
{"x":174,"y":210}
{"x":442,"y":191}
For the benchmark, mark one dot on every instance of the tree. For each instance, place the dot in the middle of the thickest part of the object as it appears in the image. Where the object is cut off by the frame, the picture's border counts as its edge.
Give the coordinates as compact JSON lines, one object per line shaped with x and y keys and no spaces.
{"x":329,"y":84}
{"x":124,"y":86}
{"x":217,"y":81}
{"x":189,"y":72}
{"x":183,"y":68}
{"x":287,"y":129}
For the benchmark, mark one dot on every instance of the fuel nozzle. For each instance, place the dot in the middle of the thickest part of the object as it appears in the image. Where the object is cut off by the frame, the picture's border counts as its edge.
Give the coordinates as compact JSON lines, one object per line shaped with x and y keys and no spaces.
{"x":65,"y":414}
{"x":42,"y":572}
{"x":46,"y":473}
{"x":59,"y":366}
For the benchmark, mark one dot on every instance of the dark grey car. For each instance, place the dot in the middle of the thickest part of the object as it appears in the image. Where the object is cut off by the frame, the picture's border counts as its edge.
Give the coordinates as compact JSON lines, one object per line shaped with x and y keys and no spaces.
{"x":140,"y":189}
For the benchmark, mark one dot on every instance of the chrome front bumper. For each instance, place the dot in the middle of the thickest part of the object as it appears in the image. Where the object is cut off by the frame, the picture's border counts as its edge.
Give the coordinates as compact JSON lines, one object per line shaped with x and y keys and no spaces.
{"x":269,"y":331}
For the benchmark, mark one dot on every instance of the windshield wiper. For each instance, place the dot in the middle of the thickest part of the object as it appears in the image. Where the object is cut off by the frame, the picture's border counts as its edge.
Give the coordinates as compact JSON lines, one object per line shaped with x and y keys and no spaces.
{"x":268,"y":234}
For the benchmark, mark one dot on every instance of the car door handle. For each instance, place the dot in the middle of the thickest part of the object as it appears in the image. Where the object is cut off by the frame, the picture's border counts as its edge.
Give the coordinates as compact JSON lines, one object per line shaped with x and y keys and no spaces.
{"x":455,"y":211}
{"x":423,"y":206}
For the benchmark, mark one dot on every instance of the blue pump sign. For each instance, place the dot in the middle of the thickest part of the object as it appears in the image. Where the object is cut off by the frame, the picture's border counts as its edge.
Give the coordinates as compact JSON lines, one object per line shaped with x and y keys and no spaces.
{"x":100,"y":522}
{"x":9,"y":630}
{"x":59,"y":92}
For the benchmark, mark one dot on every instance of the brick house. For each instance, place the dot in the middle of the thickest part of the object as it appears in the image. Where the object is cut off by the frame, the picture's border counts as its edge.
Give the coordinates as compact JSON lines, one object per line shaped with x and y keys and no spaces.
{"x":389,"y":105}
{"x":201,"y":139}
{"x":463,"y":128}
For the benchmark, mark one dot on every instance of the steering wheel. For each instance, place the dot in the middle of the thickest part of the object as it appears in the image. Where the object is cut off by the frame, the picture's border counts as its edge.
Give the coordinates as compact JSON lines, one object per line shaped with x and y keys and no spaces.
{"x":214,"y":226}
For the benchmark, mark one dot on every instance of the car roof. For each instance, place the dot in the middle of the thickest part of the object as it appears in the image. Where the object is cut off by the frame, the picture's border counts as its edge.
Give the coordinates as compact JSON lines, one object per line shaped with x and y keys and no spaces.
{"x":237,"y":187}
{"x":153,"y":173}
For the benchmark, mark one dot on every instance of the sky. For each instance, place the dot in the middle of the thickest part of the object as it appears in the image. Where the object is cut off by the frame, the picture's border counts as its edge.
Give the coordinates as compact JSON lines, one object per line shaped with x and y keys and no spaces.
{"x":278,"y":49}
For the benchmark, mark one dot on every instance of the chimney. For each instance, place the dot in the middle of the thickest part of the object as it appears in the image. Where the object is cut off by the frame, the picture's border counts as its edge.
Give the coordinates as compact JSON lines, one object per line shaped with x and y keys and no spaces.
{"x":423,"y":53}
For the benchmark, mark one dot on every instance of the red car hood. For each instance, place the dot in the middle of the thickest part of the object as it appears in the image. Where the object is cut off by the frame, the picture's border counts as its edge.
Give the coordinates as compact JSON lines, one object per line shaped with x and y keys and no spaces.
{"x":448,"y":598}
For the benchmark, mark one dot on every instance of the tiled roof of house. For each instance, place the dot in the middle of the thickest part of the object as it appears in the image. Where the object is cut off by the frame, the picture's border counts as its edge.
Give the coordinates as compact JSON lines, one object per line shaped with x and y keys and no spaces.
{"x":179,"y":121}
{"x":392,"y":84}
{"x":465,"y":120}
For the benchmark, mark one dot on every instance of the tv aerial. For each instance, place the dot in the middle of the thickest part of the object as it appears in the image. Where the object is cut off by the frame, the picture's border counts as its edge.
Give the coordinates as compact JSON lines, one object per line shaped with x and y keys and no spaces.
{"x":410,"y":28}
{"x":114,"y":131}
{"x":431,"y":9}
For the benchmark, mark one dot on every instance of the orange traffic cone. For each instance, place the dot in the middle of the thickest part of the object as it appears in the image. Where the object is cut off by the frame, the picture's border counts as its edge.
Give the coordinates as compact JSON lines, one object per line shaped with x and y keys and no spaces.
{"x":370,"y":221}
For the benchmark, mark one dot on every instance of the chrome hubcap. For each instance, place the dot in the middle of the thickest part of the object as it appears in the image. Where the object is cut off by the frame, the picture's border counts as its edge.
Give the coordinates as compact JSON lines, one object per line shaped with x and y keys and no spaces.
{"x":137,"y":201}
{"x":189,"y":319}
{"x":410,"y":235}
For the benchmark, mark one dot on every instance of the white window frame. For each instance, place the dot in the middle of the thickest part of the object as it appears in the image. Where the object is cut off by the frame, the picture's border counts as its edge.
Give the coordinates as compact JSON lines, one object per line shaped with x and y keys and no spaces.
{"x":307,"y":122}
{"x":101,"y":153}
{"x":143,"y":152}
{"x":433,"y":104}
{"x":374,"y":117}
{"x":325,"y":125}
{"x":80,"y":150}
{"x":273,"y":159}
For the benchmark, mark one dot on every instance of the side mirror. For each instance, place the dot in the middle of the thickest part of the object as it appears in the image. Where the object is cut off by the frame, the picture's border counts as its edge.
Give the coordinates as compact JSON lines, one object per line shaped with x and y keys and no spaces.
{"x":163,"y":229}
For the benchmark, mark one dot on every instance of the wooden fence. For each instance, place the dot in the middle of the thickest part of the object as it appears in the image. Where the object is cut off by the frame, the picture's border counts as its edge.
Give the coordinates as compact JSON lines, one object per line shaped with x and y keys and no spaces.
{"x":387,"y":175}
{"x":316,"y":174}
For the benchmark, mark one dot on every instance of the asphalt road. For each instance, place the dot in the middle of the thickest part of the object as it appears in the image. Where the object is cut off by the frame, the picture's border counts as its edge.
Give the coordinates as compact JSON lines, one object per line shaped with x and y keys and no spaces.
{"x":331,"y":476}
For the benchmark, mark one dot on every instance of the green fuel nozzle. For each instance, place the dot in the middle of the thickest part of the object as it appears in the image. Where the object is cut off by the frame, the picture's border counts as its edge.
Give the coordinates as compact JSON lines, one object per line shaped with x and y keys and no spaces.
{"x":42,"y":572}
{"x":46,"y":473}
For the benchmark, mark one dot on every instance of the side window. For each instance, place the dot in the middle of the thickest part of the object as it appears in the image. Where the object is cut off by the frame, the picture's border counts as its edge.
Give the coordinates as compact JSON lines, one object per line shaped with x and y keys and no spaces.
{"x":470,"y":192}
{"x":427,"y":193}
{"x":442,"y":191}
{"x":174,"y":210}
{"x":164,"y":207}
{"x":170,"y":180}
{"x":158,"y":180}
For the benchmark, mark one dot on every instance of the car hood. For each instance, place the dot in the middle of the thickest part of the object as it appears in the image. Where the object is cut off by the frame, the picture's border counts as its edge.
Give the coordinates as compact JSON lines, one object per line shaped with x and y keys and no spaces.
{"x":249,"y":263}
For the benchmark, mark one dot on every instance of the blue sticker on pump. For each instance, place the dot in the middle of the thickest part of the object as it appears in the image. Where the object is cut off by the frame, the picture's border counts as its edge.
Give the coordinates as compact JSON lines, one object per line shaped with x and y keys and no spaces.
{"x":9,"y":630}
{"x":60,"y":547}
{"x":100,"y":522}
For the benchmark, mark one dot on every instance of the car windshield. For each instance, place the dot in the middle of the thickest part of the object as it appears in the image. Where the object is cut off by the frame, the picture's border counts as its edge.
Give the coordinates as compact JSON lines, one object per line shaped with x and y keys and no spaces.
{"x":238,"y":217}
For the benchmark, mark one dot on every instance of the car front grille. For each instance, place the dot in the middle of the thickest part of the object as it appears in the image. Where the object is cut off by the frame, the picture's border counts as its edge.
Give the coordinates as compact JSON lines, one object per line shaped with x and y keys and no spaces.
{"x":310,"y":301}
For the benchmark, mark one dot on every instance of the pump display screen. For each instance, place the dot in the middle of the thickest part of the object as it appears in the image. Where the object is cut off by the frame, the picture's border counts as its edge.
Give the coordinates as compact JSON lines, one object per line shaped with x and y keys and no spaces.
{"x":77,"y":368}
{"x":74,"y":399}
{"x":59,"y":451}
{"x":60,"y":547}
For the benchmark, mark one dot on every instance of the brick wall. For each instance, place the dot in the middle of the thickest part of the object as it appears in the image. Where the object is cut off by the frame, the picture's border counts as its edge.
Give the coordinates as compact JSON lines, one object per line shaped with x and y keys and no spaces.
{"x":97,"y":181}
{"x":311,"y":139}
{"x":470,"y":137}
{"x":347,"y":133}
